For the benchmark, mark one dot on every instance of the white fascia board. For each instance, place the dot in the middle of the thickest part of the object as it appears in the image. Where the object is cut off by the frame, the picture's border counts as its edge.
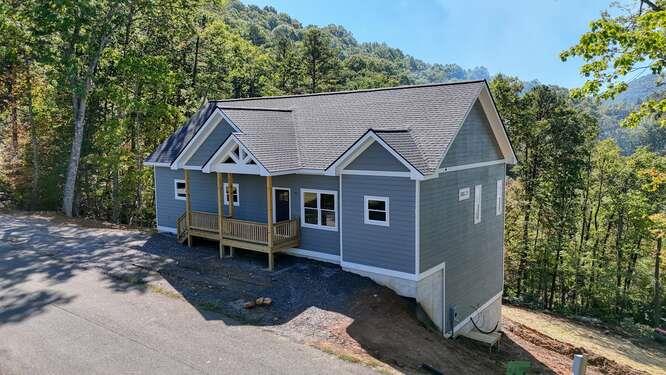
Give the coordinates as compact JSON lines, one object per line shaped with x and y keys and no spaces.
{"x":375,"y":173}
{"x":308,"y":171}
{"x":213,"y":120}
{"x":155,"y":164}
{"x":471,"y":166}
{"x":497,"y":126}
{"x":361,"y":145}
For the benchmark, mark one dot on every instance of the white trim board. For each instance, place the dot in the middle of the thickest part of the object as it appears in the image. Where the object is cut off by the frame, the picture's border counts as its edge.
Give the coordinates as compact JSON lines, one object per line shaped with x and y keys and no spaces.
{"x":417,"y":228}
{"x":375,"y":173}
{"x":463,"y":167}
{"x":162,"y":229}
{"x":477,"y":311}
{"x":431,"y":271}
{"x":156,"y":164}
{"x":378,"y":270}
{"x":315,"y":255}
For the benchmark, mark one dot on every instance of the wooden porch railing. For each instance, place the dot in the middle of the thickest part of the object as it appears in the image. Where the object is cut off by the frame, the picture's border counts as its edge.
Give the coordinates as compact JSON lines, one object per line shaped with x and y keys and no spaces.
{"x":284,"y":232}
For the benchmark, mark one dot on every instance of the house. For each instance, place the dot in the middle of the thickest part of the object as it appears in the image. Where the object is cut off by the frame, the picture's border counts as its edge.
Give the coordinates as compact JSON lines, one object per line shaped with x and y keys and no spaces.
{"x":404,"y":185}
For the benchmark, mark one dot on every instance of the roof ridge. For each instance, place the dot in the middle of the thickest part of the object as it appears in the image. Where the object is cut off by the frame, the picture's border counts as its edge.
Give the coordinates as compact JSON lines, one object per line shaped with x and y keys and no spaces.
{"x":403,"y":87}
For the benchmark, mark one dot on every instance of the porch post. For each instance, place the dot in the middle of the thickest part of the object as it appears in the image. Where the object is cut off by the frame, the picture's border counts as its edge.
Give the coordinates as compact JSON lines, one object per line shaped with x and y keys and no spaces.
{"x":269,"y":211}
{"x":220,"y":211}
{"x":230,"y":192}
{"x":188,"y":207}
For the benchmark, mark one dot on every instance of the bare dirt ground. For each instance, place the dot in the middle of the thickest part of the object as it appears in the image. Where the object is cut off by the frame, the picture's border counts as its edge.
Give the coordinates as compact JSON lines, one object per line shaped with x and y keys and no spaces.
{"x":316,"y":304}
{"x":603,"y":344}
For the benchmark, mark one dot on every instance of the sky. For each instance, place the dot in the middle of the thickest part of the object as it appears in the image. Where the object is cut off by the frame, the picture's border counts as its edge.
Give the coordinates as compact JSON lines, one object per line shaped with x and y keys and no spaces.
{"x":516,"y":37}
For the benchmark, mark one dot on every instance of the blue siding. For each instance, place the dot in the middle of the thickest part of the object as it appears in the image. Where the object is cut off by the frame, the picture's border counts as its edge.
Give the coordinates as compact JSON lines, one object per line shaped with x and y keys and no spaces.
{"x":473,"y":252}
{"x":379,"y":246}
{"x":377,"y":158}
{"x":324,"y":241}
{"x":211,"y":144}
{"x":475,"y":141}
{"x":168,"y":208}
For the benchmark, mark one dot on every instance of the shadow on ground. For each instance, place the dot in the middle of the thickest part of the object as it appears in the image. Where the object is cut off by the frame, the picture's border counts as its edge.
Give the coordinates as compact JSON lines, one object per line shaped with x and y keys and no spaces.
{"x":313,"y":302}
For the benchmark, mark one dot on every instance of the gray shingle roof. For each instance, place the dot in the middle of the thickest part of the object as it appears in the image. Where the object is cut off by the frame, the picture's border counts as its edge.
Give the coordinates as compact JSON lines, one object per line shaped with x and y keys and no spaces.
{"x":312,"y":131}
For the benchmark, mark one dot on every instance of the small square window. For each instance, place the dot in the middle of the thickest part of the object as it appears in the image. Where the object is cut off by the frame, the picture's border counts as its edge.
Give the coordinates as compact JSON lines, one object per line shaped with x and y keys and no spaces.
{"x":180,"y":191}
{"x":376,"y":210}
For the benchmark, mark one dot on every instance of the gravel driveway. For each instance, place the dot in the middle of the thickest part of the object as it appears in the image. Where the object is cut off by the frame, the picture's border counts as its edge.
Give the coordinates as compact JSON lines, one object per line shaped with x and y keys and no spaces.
{"x":94,"y":300}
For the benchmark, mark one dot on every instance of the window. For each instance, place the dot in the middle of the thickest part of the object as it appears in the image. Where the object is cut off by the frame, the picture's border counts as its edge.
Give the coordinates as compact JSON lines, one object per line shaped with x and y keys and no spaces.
{"x":477,"y":204}
{"x":500,"y":197}
{"x":376,"y":210}
{"x":463,"y":194}
{"x":319,"y":209}
{"x":235,"y":193}
{"x":179,"y":189}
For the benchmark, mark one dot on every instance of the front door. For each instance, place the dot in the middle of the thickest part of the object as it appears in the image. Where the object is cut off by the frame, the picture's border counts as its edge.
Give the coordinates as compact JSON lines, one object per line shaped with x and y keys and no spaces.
{"x":281,"y":197}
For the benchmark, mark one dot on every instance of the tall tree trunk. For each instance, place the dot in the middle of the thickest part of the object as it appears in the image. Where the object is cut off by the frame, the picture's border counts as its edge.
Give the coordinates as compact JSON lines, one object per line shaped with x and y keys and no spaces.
{"x":79,"y":106}
{"x":34,"y":146}
{"x":196,"y":64}
{"x":657,"y":286}
{"x":618,"y":259}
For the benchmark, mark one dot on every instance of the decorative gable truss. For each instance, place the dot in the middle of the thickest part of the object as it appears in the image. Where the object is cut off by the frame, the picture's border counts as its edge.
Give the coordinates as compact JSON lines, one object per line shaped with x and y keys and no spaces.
{"x":234,"y":157}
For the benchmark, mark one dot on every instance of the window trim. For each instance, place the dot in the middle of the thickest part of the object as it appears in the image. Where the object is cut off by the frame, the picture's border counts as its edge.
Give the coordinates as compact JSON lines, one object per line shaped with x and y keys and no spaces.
{"x":499,"y":200}
{"x":175,"y":189}
{"x":478,"y":194}
{"x":226,"y":192}
{"x":366,"y":210}
{"x":335,"y":209}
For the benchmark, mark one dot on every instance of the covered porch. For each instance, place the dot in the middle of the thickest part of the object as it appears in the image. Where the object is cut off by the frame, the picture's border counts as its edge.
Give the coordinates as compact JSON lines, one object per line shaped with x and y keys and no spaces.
{"x":269,"y":236}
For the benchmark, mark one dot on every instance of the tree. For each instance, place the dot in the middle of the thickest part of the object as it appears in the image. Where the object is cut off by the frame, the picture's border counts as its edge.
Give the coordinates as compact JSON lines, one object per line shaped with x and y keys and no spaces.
{"x":618,"y":46}
{"x":320,"y":59}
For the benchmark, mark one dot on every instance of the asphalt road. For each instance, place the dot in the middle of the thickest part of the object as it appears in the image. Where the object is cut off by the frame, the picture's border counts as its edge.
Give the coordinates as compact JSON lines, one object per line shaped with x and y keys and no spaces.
{"x":62,"y":314}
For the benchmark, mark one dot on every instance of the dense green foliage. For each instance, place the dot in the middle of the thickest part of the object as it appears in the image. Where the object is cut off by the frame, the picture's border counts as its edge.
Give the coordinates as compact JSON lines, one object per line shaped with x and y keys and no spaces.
{"x":615,"y":47}
{"x":115,"y":78}
{"x":582,"y":220}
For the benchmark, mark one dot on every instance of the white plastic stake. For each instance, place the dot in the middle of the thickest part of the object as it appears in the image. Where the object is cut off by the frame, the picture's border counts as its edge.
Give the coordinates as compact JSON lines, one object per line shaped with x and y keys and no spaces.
{"x":579,"y":365}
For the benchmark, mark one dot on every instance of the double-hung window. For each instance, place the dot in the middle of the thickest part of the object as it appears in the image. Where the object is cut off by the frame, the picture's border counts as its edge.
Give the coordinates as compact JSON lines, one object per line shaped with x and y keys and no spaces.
{"x":180,"y":192}
{"x":234,"y":192}
{"x":319,"y":209}
{"x":376,"y":210}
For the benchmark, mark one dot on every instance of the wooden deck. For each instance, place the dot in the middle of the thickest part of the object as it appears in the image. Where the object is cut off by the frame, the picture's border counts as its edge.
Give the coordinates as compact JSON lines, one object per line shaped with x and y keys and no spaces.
{"x":241,"y":234}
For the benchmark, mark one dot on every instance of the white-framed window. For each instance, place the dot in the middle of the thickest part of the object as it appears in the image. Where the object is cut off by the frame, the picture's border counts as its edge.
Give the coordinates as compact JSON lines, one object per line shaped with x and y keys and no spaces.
{"x":235,"y":193}
{"x":477,"y":204}
{"x":499,"y":202}
{"x":376,"y":210}
{"x":179,"y":190}
{"x":463,"y":194}
{"x":319,"y":209}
